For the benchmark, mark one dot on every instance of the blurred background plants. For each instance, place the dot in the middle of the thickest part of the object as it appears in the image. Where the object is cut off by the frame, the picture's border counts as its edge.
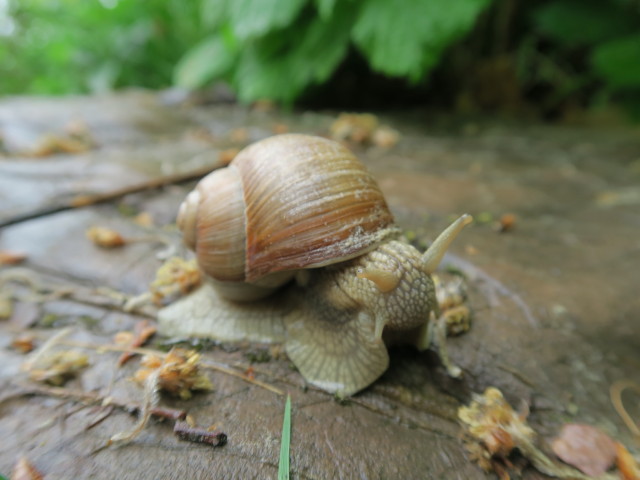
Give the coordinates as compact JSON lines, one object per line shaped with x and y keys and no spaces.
{"x":551,"y":57}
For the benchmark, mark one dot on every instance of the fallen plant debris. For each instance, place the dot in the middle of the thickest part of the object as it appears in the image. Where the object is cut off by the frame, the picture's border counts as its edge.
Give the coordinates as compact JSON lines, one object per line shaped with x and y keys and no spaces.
{"x":587,"y":448}
{"x":6,"y":306}
{"x":178,"y":372}
{"x":54,"y":368}
{"x":80,"y":201}
{"x":451,"y":296}
{"x":362,"y":129}
{"x":216,"y":366}
{"x":174,"y":278}
{"x":493,"y":430}
{"x":23,"y":343}
{"x":24,"y":470}
{"x":92,"y":398}
{"x":58,"y":367}
{"x":105,"y":237}
{"x":151,"y":400}
{"x":626,"y":464}
{"x":186,"y":432}
{"x":142,"y":332}
{"x":51,"y":144}
{"x":7,"y":257}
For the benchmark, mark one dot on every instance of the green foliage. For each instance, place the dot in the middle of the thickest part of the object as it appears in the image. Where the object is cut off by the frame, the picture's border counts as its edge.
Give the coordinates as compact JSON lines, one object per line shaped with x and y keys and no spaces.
{"x":605,"y":31}
{"x":288,"y":45}
{"x":263,"y":48}
{"x":69,"y":46}
{"x":408,"y":37}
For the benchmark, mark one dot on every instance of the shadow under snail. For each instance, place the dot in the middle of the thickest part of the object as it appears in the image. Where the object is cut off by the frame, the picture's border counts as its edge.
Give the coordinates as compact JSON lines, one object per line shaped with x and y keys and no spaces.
{"x":299,"y":247}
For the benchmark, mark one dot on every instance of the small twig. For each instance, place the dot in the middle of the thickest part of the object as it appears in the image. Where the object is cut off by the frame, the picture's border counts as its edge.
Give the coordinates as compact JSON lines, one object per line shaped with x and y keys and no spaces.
{"x":615,"y":393}
{"x":99,"y":420}
{"x":219,"y":367}
{"x":80,"y":201}
{"x":90,"y":398}
{"x":199,"y":435}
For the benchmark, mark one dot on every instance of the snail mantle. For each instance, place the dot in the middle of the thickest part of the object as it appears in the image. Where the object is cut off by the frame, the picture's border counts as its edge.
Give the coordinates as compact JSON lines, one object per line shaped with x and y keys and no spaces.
{"x":299,"y":247}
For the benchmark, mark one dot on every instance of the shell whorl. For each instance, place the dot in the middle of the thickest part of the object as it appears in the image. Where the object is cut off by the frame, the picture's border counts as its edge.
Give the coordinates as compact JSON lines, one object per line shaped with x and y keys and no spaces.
{"x":285,"y":203}
{"x":213,"y":224}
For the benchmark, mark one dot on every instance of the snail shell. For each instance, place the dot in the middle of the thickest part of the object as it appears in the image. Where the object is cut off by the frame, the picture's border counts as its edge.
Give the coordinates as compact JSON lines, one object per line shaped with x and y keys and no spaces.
{"x":284,"y":207}
{"x":283,"y":204}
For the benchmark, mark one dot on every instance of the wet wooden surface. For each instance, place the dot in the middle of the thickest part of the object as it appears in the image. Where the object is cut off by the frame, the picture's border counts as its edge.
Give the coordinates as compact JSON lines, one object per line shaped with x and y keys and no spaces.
{"x":555,"y":300}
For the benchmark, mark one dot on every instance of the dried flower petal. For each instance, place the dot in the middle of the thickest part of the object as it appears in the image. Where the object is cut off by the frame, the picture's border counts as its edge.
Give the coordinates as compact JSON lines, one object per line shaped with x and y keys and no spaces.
{"x":179,"y":372}
{"x":174,"y":278}
{"x":105,"y":237}
{"x":587,"y":448}
{"x":493,"y":428}
{"x":58,"y":367}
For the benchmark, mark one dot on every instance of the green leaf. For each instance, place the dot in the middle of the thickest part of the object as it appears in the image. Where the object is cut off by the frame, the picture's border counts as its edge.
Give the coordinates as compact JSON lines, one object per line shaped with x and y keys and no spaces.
{"x":325,"y":8}
{"x":209,"y":59}
{"x":254,"y":18}
{"x":283,"y":464}
{"x":213,"y":12}
{"x":618,"y":61}
{"x":583,"y":22}
{"x":407,"y":37}
{"x":279,"y":66}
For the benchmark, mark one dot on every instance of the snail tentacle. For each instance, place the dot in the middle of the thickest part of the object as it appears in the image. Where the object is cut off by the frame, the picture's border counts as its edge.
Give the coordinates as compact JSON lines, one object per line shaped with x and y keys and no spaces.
{"x":432,"y":257}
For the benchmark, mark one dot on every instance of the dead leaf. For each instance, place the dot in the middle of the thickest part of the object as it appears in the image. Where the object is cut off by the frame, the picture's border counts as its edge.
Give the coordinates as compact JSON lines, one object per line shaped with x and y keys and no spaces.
{"x":24,"y":470}
{"x":587,"y":448}
{"x":8,"y":257}
{"x":23,"y":343}
{"x":105,"y":237}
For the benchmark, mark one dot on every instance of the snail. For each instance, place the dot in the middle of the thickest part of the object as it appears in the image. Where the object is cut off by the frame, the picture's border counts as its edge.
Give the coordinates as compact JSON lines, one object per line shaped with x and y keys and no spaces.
{"x":299,"y":246}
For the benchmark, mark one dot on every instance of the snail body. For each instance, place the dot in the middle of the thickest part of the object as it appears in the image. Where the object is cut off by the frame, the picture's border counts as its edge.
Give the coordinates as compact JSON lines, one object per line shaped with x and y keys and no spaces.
{"x":303,"y":208}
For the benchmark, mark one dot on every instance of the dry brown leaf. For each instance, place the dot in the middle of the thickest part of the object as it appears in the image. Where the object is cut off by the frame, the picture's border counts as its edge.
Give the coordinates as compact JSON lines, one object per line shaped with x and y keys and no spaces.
{"x":143,"y":331}
{"x":105,"y":237}
{"x":354,"y":127}
{"x":24,"y":470}
{"x":7,"y":257}
{"x":23,"y":343}
{"x":587,"y":448}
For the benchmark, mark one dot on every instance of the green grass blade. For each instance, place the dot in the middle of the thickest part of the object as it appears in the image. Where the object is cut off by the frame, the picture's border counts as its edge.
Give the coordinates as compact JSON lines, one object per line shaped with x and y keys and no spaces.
{"x":283,"y":465}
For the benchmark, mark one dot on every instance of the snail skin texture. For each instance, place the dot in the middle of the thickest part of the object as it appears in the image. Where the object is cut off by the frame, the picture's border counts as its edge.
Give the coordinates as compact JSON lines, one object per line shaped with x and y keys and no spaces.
{"x":299,"y":247}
